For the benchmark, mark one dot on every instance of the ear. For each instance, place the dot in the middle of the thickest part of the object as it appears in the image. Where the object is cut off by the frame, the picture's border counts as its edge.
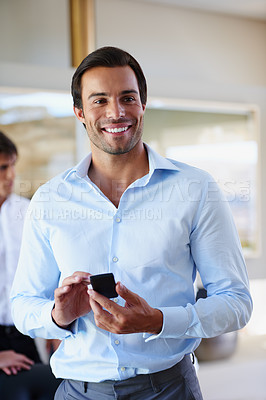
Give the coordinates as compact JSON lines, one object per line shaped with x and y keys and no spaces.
{"x":143,"y":107}
{"x":79,"y":114}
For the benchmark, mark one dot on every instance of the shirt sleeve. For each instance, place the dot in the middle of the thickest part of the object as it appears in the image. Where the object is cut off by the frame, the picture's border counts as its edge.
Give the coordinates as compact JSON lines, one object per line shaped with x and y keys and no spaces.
{"x":216,"y":251}
{"x":37,"y":276}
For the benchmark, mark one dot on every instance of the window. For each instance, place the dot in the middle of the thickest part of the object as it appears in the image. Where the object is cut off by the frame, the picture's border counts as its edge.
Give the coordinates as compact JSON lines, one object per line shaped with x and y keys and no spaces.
{"x":221,"y":139}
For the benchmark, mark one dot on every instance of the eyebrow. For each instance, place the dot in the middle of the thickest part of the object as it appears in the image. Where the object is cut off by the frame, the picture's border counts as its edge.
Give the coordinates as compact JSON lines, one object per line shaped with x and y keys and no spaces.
{"x":107,"y":94}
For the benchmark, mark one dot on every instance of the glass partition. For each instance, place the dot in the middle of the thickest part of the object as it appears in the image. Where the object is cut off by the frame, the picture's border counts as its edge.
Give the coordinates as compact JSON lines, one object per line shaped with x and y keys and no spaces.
{"x":221,"y":139}
{"x":42,"y":125}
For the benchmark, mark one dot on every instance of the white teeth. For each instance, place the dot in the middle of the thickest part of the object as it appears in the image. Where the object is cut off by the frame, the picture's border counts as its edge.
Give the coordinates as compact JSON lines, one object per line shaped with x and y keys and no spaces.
{"x":116,"y":130}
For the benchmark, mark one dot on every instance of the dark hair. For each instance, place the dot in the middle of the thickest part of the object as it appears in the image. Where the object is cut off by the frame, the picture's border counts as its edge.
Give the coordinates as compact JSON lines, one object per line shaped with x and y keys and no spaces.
{"x":7,"y":146}
{"x":107,"y":57}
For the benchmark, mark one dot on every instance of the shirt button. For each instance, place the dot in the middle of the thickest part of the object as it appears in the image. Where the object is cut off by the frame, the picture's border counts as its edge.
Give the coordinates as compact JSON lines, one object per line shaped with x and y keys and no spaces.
{"x":123,"y":369}
{"x":117,"y":342}
{"x":115,"y":299}
{"x":115,"y":259}
{"x":118,"y":219}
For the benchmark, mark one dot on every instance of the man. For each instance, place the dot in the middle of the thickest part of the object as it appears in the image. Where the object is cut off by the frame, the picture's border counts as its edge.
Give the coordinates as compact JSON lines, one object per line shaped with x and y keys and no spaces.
{"x":150,"y":221}
{"x":12,"y":212}
{"x":19,"y":378}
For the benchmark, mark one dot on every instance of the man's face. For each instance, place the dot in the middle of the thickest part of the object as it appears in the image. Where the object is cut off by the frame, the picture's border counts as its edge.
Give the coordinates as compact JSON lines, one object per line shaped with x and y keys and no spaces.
{"x":112,"y":109}
{"x":7,"y":174}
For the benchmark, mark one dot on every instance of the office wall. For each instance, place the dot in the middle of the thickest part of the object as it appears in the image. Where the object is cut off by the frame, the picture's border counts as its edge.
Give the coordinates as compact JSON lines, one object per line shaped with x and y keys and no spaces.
{"x":185,"y":54}
{"x":180,"y":44}
{"x":35,"y":44}
{"x":35,"y":32}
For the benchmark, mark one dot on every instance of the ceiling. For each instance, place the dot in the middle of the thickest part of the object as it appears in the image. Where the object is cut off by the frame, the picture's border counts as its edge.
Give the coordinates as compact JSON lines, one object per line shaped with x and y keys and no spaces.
{"x":245,"y":8}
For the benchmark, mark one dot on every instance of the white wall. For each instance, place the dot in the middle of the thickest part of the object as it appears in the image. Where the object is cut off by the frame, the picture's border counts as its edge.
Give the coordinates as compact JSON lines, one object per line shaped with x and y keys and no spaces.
{"x":35,"y":44}
{"x":185,"y":45}
{"x":35,"y":32}
{"x":184,"y":54}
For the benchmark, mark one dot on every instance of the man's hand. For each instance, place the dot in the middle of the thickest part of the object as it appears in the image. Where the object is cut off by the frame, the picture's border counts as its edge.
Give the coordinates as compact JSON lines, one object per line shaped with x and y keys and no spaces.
{"x":12,"y":363}
{"x":71,"y":299}
{"x":136,"y":316}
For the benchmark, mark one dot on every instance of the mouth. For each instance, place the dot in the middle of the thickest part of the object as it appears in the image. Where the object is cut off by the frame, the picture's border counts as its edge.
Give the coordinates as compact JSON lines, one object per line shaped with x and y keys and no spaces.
{"x":9,"y":185}
{"x":116,"y":129}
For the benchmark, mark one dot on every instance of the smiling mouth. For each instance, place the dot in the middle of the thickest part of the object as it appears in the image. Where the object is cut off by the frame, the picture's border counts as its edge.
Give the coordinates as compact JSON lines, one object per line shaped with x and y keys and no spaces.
{"x":116,"y":130}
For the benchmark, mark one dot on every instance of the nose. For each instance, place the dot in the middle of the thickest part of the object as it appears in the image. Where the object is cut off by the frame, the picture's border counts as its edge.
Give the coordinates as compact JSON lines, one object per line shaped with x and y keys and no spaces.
{"x":115,"y":109}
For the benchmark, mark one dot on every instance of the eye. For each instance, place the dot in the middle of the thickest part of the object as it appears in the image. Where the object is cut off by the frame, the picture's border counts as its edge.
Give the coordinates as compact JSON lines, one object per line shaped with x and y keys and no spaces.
{"x":129,"y":99}
{"x":100,"y":101}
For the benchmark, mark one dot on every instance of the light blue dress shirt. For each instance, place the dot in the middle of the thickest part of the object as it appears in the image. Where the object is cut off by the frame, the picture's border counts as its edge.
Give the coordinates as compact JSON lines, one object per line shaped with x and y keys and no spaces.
{"x":169,"y":224}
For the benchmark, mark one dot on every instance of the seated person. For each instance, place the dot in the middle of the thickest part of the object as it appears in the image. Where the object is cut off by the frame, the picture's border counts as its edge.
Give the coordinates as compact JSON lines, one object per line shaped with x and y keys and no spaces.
{"x":21,"y":380}
{"x":17,"y":351}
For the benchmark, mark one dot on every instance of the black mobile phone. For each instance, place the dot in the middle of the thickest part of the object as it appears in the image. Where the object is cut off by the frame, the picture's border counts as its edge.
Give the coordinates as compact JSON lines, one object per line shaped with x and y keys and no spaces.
{"x":104,"y":284}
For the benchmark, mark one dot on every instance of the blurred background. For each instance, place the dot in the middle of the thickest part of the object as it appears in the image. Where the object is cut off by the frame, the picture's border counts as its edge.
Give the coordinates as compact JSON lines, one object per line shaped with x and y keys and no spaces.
{"x":205,"y":64}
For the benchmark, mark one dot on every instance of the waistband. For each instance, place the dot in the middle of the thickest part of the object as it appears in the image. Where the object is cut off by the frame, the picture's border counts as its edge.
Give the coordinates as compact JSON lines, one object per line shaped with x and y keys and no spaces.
{"x":7,"y":329}
{"x":154,"y":378}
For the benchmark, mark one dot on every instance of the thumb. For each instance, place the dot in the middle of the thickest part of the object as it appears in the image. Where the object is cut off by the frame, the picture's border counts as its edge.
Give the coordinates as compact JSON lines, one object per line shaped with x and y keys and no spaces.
{"x":126,"y":294}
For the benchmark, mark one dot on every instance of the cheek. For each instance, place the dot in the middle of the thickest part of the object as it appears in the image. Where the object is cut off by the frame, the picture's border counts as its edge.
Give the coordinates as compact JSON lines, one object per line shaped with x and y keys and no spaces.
{"x":91,"y":116}
{"x":2,"y":189}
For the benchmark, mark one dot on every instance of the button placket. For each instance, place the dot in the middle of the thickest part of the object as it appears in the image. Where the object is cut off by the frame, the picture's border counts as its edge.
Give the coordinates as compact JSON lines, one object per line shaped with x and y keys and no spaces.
{"x":116,"y":221}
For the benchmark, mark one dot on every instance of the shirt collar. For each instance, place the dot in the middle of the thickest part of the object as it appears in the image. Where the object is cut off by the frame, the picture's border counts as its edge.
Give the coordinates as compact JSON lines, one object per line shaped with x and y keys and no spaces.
{"x":81,"y":169}
{"x":156,"y":161}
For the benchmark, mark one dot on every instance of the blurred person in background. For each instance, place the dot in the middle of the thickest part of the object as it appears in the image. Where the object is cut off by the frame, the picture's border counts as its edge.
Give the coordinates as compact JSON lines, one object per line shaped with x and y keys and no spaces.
{"x":22,"y":374}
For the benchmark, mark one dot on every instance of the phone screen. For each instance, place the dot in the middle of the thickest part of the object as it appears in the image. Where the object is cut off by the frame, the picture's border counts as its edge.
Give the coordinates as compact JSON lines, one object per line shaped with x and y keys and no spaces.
{"x":104,"y":284}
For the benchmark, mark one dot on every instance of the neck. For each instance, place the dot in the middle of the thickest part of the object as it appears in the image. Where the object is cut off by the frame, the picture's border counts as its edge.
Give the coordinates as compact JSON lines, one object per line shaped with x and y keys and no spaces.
{"x":114,"y":173}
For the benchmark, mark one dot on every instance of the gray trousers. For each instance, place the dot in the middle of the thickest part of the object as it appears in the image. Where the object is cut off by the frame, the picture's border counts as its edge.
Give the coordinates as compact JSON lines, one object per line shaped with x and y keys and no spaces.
{"x":177,"y":383}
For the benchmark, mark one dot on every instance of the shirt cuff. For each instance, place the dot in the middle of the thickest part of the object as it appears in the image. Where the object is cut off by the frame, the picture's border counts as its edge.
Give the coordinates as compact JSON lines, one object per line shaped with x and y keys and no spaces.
{"x":175,"y":324}
{"x":54,"y":330}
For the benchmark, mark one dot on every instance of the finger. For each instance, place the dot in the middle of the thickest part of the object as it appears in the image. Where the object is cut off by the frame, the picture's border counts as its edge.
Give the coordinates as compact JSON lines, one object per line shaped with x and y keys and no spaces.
{"x":60,"y":292}
{"x":14,"y":370}
{"x":68,"y":283}
{"x":77,"y":277}
{"x":25,"y":359}
{"x":96,"y":308}
{"x":7,"y":371}
{"x":103,"y":318}
{"x":25,"y":366}
{"x":103,"y":301}
{"x":126,"y":294}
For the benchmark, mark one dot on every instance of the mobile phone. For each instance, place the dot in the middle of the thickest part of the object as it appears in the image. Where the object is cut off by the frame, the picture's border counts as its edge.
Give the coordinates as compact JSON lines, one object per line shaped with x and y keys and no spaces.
{"x":104,"y":284}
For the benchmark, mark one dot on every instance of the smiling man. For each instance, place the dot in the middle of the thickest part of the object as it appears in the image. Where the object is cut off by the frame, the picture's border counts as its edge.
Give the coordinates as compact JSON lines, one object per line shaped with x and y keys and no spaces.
{"x":91,"y":220}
